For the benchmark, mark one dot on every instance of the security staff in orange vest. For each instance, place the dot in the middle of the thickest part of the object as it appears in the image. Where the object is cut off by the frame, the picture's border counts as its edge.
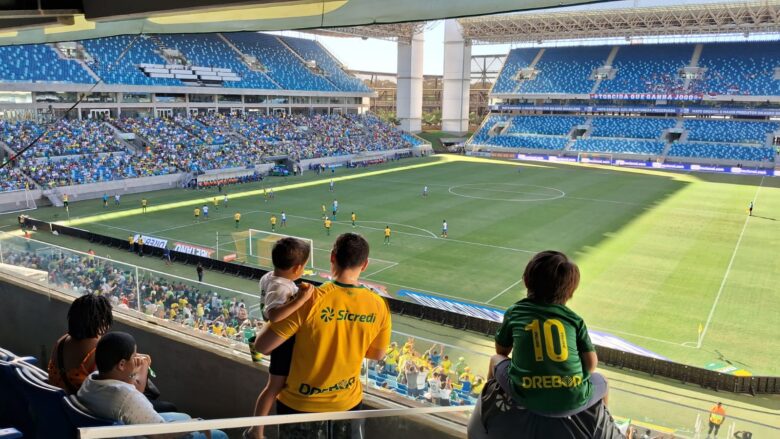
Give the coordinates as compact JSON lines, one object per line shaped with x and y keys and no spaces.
{"x":717,"y":416}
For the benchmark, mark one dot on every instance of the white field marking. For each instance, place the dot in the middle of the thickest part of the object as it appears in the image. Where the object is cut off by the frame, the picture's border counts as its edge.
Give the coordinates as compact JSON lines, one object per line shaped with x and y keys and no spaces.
{"x":639,"y":336}
{"x":435,"y":293}
{"x":394,"y":224}
{"x":602,"y":200}
{"x":503,"y":291}
{"x":382,"y":269}
{"x":561,"y":193}
{"x":728,"y":270}
{"x":204,"y":222}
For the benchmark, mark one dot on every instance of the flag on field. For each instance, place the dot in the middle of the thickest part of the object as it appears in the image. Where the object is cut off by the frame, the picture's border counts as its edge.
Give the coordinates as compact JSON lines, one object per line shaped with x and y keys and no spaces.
{"x":701,"y":328}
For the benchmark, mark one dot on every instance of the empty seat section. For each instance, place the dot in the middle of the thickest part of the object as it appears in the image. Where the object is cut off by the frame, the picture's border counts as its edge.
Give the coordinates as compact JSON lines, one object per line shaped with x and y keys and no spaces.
{"x":619,"y":146}
{"x":311,"y":50}
{"x":39,"y":63}
{"x":742,"y":69}
{"x":722,"y":151}
{"x":116,"y":59}
{"x":648,"y":69}
{"x":630,"y":127}
{"x":714,"y":130}
{"x":516,"y":60}
{"x":282,"y":65}
{"x":566,"y":70}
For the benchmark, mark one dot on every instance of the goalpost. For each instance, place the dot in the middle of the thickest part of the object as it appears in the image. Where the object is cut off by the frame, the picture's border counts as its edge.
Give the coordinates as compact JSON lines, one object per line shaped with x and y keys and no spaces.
{"x":593,"y":157}
{"x":257,"y":244}
{"x":19,"y":204}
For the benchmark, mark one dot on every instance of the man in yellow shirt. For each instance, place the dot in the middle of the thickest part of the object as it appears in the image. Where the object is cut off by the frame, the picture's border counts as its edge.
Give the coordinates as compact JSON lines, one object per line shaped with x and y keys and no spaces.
{"x":340,"y":325}
{"x":65,"y":201}
{"x":354,"y":217}
{"x":237,"y":217}
{"x":446,"y":364}
{"x":391,"y":359}
{"x":387,"y":235}
{"x":327,"y":225}
{"x":273,"y":223}
{"x":144,"y":204}
{"x":197,"y":214}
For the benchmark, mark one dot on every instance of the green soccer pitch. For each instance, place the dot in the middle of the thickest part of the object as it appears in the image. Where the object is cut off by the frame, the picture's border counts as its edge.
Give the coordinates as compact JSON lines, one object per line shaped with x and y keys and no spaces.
{"x":670,"y":261}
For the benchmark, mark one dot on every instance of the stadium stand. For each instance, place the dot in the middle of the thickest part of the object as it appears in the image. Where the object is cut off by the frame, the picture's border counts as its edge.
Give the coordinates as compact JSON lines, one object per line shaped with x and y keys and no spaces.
{"x":209,"y":50}
{"x":280,"y":62}
{"x":714,"y":130}
{"x":516,"y":60}
{"x":745,"y":69}
{"x":112,"y":69}
{"x":39,"y":63}
{"x":634,"y":128}
{"x":566,"y":70}
{"x":311,"y":50}
{"x":67,"y":137}
{"x":722,"y":151}
{"x":619,"y":146}
{"x":550,"y":125}
{"x":648,"y":69}
{"x":12,"y":179}
{"x":527,"y":141}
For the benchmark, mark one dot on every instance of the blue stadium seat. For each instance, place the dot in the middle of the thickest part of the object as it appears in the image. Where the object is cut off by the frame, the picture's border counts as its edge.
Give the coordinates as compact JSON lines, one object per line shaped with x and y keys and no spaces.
{"x":729,"y":131}
{"x":13,"y":401}
{"x":619,"y":146}
{"x":10,"y":433}
{"x":45,"y":406}
{"x":516,"y":60}
{"x":312,"y":50}
{"x":565,"y":70}
{"x":80,"y":416}
{"x":722,"y":151}
{"x":649,"y":68}
{"x":630,"y":127}
{"x":741,"y":69}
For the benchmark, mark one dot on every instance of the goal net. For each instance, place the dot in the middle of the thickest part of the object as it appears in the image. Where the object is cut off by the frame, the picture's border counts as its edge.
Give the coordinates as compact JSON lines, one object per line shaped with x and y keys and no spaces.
{"x":18,"y":201}
{"x":590,"y":157}
{"x":254,"y":246}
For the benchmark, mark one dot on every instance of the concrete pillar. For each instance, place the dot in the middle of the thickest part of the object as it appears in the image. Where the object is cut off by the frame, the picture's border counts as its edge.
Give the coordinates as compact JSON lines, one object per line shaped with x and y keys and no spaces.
{"x":457,"y":79}
{"x":409,"y":92}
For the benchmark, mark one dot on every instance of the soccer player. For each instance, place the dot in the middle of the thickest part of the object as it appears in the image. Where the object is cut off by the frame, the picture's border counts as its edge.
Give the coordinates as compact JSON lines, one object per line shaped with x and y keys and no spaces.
{"x":425,"y":191}
{"x":105,"y":200}
{"x":284,"y":219}
{"x":387,"y":235}
{"x":327,"y":225}
{"x":324,"y":211}
{"x":265,"y":195}
{"x":273,"y":222}
{"x":144,"y":204}
{"x":750,"y":209}
{"x":332,"y":188}
{"x":271,"y":193}
{"x":116,"y":199}
{"x":353,"y":217}
{"x":65,"y":201}
{"x":196,"y":212}
{"x":216,"y":203}
{"x":205,"y":212}
{"x":444,"y":228}
{"x":335,"y":208}
{"x":224,"y":201}
{"x":237,"y":217}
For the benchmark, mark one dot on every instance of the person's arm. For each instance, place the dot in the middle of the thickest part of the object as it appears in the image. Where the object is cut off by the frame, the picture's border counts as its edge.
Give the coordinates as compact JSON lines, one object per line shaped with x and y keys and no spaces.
{"x":141,"y":363}
{"x":376,"y":351}
{"x":274,"y":334}
{"x":589,"y":361}
{"x":504,"y":338}
{"x":281,"y":312}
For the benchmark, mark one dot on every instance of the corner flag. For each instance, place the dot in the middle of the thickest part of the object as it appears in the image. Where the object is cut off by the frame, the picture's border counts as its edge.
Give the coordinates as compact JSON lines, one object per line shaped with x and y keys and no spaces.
{"x":701,"y":328}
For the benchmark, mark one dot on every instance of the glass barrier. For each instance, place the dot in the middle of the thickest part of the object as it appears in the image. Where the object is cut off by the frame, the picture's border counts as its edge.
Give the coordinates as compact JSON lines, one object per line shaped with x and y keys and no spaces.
{"x":416,"y":371}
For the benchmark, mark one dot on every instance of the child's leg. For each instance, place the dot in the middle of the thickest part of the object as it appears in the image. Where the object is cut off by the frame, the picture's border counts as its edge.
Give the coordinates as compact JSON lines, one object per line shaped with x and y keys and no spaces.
{"x":265,"y":401}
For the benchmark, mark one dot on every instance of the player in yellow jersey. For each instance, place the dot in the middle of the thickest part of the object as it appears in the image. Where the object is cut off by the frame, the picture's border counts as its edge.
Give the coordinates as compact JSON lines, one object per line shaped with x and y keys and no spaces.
{"x":324,"y":211}
{"x":237,"y":217}
{"x":273,"y":223}
{"x":327,"y":225}
{"x":197,"y":214}
{"x":144,"y":205}
{"x":65,"y":201}
{"x":387,"y":235}
{"x":216,"y":203}
{"x":354,"y":218}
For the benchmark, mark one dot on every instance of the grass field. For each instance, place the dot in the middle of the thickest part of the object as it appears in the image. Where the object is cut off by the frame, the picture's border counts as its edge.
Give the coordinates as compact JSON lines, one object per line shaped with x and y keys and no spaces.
{"x":660,"y":253}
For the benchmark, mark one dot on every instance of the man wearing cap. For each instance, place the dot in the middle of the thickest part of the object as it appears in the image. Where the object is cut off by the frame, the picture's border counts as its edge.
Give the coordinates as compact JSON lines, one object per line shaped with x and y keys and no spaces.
{"x":717,"y":416}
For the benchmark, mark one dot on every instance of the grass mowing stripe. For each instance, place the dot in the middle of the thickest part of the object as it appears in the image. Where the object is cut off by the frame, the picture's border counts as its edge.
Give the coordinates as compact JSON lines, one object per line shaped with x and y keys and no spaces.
{"x":728,"y":270}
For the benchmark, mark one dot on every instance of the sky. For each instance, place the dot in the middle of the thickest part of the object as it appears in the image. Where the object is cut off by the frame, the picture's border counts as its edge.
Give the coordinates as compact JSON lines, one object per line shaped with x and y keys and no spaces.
{"x":381,"y":56}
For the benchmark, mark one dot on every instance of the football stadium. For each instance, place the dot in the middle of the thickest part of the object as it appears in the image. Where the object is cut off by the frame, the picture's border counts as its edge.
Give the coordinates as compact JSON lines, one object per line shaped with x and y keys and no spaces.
{"x":304,"y":250}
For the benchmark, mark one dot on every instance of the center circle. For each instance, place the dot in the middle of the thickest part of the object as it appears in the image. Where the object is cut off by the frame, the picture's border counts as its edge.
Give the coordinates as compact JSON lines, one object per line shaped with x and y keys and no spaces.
{"x":517,"y":192}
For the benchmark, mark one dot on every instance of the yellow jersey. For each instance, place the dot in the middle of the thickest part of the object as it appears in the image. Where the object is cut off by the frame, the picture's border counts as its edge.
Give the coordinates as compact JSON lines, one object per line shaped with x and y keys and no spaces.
{"x":237,"y":217}
{"x":354,"y":217}
{"x":333,"y":330}
{"x":273,"y":220}
{"x":197,"y":212}
{"x":387,"y":231}
{"x":323,"y":208}
{"x":216,"y":203}
{"x":327,"y":223}
{"x":143,"y":203}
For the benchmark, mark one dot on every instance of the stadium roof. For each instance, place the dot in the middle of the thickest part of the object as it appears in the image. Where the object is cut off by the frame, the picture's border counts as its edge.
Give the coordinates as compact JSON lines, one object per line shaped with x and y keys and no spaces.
{"x":40,"y":21}
{"x":684,"y":19}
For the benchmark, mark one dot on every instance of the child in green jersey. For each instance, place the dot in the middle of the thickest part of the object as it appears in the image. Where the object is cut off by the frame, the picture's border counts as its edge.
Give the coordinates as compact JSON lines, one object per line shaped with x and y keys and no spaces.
{"x":552,"y":369}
